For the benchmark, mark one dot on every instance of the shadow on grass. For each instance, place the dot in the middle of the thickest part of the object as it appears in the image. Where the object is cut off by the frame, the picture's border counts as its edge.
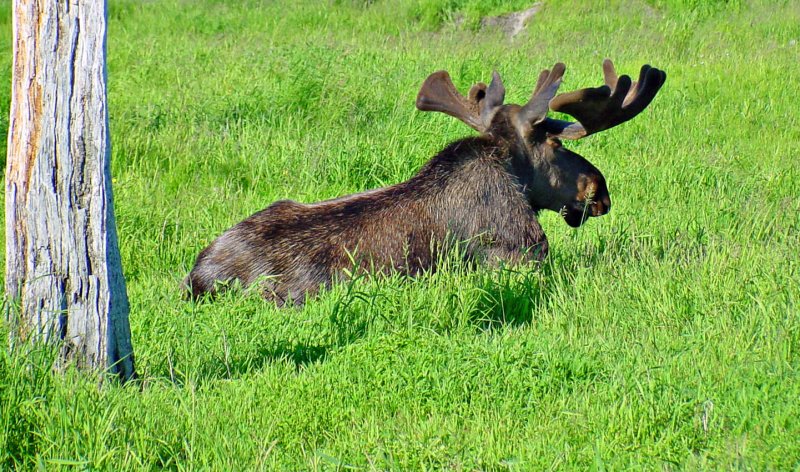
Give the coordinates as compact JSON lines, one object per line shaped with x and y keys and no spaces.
{"x":511,"y":297}
{"x":299,"y":354}
{"x":349,"y":320}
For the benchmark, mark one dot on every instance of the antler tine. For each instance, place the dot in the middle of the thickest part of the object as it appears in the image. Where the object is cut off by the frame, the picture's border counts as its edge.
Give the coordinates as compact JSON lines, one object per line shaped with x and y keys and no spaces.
{"x":643,"y":91}
{"x":543,"y":75}
{"x":439,"y":94}
{"x":601,"y":108}
{"x":610,"y":75}
{"x":495,"y":96}
{"x":537,"y":107}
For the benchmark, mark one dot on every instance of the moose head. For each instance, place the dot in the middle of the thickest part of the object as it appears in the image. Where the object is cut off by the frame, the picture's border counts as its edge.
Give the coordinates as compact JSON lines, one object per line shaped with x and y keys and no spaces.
{"x":553,"y":177}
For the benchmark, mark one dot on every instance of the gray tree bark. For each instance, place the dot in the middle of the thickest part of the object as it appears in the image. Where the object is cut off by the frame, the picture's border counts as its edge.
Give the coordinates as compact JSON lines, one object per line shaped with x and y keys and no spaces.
{"x":63,"y":266}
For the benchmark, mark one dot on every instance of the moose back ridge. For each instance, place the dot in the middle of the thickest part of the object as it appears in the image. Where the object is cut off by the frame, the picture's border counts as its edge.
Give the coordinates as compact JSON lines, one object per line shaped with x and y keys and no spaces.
{"x":483,"y":193}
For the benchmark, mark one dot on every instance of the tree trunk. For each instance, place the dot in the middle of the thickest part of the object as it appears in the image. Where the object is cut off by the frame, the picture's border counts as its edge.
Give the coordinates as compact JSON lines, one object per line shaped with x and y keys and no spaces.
{"x":63,"y":265}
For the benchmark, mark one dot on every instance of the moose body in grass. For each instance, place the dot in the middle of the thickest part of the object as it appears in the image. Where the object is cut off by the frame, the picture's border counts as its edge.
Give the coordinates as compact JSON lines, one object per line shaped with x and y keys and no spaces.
{"x":482,"y":193}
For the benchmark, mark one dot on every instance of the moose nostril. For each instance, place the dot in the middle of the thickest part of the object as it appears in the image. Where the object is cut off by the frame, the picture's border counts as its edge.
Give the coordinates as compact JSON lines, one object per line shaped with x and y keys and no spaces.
{"x":601,"y":207}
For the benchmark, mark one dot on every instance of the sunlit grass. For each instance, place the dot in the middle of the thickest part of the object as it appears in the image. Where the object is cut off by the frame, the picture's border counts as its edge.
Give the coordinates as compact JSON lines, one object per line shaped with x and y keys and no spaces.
{"x":663,"y":335}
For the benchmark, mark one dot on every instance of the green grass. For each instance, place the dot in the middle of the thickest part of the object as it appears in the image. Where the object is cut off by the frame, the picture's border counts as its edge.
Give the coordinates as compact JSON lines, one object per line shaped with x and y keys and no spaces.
{"x":665,"y":335}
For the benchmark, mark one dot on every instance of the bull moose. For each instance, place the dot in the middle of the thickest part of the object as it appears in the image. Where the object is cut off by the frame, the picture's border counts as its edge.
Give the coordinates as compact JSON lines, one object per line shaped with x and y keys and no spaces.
{"x":482,"y":192}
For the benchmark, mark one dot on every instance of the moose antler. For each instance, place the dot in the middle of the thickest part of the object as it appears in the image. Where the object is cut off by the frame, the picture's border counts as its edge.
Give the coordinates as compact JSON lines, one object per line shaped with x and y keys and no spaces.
{"x":604,"y":107}
{"x":535,"y":111}
{"x":439,"y":94}
{"x":495,"y":96}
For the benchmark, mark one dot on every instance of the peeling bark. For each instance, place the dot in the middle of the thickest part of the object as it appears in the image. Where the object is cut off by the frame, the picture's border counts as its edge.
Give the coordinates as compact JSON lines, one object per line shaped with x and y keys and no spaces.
{"x":63,"y":265}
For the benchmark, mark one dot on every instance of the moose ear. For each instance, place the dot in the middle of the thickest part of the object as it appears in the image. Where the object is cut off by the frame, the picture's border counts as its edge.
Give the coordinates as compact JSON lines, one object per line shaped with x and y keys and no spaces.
{"x":477,"y":93}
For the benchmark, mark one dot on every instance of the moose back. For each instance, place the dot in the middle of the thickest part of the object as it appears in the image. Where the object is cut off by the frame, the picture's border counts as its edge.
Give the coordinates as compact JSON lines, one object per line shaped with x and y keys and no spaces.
{"x":481,"y":192}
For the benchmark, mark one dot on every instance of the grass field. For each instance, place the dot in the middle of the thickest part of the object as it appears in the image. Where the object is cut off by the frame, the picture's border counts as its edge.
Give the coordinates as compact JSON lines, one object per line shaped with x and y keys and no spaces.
{"x":665,"y":335}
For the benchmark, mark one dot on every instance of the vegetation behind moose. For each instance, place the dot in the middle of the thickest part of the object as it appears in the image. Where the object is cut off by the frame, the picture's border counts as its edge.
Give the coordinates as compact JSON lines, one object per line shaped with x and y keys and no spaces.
{"x":482,"y":193}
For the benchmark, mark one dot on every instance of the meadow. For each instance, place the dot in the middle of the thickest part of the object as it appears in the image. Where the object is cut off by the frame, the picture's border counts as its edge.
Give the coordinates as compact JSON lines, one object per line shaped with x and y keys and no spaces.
{"x":664,"y":335}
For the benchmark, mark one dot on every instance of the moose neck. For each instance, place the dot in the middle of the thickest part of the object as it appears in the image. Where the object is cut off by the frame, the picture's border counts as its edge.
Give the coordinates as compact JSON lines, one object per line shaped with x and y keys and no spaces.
{"x":472,"y":187}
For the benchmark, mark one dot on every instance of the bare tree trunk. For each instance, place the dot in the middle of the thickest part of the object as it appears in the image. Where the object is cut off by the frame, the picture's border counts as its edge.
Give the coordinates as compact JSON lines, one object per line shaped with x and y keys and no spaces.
{"x":62,"y":257}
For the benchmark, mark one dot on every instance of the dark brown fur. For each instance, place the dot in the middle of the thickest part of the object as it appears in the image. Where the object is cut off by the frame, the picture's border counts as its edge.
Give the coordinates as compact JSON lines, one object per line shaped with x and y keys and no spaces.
{"x":484,"y":192}
{"x":466,"y":193}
